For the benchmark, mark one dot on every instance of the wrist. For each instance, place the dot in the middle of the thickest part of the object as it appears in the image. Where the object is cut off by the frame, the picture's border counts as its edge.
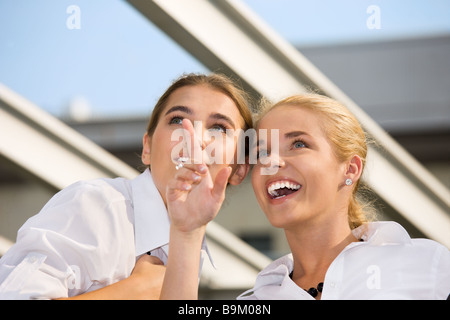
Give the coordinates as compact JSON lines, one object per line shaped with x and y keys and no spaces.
{"x":183,"y":262}
{"x":196,"y":234}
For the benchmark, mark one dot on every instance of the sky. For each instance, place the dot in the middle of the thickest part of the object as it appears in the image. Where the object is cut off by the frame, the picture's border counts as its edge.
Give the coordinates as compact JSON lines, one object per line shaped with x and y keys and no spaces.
{"x":115,"y":63}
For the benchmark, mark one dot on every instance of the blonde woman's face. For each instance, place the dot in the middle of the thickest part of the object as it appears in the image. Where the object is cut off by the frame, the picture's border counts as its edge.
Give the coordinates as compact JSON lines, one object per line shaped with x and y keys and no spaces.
{"x":212,"y":112}
{"x":307,"y":184}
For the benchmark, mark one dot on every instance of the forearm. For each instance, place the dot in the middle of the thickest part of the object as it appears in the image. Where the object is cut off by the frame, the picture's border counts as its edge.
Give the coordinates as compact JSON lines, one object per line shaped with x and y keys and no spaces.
{"x":126,"y":289}
{"x":183,"y":263}
{"x":145,"y":282}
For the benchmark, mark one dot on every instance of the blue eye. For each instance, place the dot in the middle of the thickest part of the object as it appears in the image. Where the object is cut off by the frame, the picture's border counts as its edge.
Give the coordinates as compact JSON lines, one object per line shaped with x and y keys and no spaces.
{"x":298,"y":144}
{"x":218,"y":127}
{"x":176,"y":120}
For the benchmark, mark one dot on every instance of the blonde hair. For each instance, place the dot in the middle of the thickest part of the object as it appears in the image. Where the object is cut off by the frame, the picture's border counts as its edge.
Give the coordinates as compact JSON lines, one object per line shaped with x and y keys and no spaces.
{"x":347,"y":139}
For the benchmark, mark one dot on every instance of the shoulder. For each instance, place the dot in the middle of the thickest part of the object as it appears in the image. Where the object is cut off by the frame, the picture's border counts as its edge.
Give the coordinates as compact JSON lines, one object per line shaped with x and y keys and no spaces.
{"x":438,"y":255}
{"x":389,"y":236}
{"x":417,"y":268}
{"x":103,"y":189}
{"x":82,"y":203}
{"x":87,"y":196}
{"x":87,"y":217}
{"x":384,"y":233}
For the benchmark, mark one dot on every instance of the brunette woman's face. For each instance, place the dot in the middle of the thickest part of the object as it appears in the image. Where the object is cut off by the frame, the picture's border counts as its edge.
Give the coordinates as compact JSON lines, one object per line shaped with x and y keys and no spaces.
{"x":306,"y":185}
{"x":214,"y":111}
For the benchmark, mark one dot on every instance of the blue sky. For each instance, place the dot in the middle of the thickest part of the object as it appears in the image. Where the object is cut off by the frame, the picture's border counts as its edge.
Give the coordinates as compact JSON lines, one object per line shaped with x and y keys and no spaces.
{"x":335,"y":21}
{"x":120,"y":63}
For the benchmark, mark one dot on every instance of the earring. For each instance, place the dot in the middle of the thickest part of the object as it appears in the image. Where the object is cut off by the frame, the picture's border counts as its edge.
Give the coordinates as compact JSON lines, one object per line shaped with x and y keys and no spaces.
{"x":348,"y":182}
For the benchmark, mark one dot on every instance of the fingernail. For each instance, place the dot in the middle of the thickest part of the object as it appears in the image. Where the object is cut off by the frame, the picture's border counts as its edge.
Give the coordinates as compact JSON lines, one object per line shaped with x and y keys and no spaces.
{"x":196,"y":177}
{"x":203,"y":168}
{"x":187,"y":187}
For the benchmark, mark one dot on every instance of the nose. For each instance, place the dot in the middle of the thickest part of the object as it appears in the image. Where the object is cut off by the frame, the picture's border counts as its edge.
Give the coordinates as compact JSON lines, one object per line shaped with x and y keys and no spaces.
{"x":276,"y":161}
{"x":273,"y":164}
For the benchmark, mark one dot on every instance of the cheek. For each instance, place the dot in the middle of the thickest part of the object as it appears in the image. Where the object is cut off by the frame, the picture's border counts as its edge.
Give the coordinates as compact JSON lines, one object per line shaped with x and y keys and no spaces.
{"x":321,"y":176}
{"x":164,"y":142}
{"x":161,"y":153}
{"x":257,"y":182}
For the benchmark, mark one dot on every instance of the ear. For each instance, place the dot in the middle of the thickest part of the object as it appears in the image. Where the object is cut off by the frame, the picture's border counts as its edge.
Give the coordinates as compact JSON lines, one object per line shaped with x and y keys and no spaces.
{"x":238,"y":174}
{"x":146,"y":148}
{"x":354,"y":169}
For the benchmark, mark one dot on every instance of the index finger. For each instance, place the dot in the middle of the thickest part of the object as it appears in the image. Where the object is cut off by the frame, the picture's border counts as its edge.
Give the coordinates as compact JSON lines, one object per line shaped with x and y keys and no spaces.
{"x":194,"y":147}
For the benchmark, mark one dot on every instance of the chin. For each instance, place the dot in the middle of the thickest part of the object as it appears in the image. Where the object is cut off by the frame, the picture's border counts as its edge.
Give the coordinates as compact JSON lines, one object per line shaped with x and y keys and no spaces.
{"x":278,"y":219}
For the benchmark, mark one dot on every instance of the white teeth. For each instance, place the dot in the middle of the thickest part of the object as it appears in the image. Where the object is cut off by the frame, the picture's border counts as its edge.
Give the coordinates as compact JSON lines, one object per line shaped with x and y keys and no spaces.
{"x":273,"y":187}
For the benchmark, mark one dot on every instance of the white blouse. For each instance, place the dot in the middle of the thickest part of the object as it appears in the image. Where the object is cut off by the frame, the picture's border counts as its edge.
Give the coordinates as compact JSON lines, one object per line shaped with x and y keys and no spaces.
{"x":88,"y":236}
{"x":387,"y":265}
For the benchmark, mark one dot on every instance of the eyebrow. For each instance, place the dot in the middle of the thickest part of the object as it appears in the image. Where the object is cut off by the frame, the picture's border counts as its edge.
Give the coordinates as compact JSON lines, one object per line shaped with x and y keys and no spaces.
{"x":294,"y":134}
{"x":289,"y":135}
{"x":217,"y":116}
{"x":179,"y":108}
{"x":220,"y":116}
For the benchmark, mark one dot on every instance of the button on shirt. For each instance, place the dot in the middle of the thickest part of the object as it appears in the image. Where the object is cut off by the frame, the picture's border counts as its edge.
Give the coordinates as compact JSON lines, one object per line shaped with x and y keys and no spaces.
{"x":88,"y":236}
{"x":387,"y":265}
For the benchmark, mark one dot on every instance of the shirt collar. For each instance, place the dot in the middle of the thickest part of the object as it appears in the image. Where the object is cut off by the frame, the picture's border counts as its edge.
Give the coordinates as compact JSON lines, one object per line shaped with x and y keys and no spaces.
{"x":274,"y":280}
{"x":382,"y":233}
{"x":151,"y":221}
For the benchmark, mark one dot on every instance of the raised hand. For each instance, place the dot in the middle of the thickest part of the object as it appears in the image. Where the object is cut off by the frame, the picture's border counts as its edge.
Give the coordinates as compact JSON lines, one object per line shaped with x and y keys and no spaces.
{"x":193,"y":198}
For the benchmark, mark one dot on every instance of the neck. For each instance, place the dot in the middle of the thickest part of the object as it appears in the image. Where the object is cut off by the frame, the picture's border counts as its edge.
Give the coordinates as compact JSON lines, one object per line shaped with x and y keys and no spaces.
{"x":315,"y":248}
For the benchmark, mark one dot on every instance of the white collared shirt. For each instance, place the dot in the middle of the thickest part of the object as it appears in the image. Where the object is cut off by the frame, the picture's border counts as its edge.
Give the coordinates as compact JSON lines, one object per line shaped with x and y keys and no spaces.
{"x":88,"y":236}
{"x":387,"y":265}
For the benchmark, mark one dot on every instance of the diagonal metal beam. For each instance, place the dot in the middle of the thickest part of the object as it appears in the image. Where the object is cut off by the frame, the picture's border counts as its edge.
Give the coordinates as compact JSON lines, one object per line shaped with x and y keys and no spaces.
{"x":48,"y":149}
{"x":226,"y":36}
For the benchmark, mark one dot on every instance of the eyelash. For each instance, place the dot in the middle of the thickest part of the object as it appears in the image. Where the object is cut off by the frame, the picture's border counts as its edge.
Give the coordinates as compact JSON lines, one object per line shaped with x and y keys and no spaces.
{"x":267,"y":152}
{"x":172,"y":120}
{"x":222,"y":127}
{"x":299,"y":141}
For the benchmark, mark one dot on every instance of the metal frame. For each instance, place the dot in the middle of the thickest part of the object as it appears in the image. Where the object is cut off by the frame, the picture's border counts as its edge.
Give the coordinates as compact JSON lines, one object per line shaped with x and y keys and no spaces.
{"x":48,"y":149}
{"x":226,"y":36}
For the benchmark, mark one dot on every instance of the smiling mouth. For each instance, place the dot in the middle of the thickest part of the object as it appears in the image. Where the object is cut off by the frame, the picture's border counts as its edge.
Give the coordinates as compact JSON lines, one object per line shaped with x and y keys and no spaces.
{"x":282,"y":188}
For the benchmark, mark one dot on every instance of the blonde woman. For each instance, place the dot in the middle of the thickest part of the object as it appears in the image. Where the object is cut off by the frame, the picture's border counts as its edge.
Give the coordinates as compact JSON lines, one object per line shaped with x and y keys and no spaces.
{"x":108,"y":238}
{"x":336,"y":252}
{"x":306,"y":181}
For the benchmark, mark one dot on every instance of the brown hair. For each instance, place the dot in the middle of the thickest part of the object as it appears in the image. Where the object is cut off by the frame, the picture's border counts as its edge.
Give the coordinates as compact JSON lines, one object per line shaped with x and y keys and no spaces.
{"x":215,"y":81}
{"x":347,"y":139}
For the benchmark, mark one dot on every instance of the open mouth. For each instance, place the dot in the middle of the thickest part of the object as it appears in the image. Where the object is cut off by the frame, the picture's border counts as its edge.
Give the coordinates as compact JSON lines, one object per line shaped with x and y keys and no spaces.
{"x":282,"y":188}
